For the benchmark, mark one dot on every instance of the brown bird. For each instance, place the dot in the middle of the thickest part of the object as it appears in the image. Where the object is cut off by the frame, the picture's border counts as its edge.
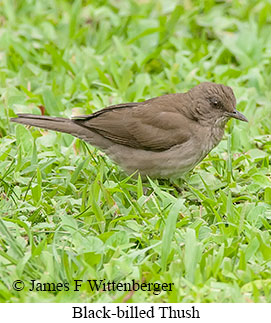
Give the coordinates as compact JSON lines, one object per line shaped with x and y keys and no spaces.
{"x":162,"y":137}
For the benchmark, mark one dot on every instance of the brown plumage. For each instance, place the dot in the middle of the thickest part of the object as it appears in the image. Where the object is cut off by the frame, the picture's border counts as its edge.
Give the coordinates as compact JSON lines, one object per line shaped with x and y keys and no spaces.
{"x":161,"y":137}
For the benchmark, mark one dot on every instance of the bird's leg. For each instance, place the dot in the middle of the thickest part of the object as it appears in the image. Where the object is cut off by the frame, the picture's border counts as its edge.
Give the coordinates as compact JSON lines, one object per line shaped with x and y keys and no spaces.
{"x":179,"y":185}
{"x":169,"y":183}
{"x":177,"y":188}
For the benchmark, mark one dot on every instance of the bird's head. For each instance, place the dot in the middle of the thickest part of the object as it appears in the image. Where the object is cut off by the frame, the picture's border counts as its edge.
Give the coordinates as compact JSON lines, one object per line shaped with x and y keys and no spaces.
{"x":215,"y":104}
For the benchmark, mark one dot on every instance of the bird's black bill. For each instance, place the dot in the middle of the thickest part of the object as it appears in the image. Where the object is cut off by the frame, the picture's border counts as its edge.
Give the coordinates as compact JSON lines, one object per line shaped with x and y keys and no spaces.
{"x":238,"y":115}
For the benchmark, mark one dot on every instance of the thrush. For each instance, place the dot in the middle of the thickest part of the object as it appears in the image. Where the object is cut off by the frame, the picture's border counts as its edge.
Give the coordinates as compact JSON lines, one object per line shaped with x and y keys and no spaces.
{"x":162,"y":137}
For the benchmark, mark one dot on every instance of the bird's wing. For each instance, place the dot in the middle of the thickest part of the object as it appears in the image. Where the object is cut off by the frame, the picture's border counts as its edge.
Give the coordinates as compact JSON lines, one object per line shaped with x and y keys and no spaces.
{"x":154,"y":125}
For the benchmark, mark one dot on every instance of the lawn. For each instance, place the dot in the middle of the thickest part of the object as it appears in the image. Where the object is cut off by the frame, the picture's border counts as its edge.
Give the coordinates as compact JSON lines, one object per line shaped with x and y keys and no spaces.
{"x":68,"y":213}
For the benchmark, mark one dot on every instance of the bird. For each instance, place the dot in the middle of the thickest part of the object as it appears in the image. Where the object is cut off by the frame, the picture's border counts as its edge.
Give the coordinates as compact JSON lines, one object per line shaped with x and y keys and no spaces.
{"x":162,"y":137}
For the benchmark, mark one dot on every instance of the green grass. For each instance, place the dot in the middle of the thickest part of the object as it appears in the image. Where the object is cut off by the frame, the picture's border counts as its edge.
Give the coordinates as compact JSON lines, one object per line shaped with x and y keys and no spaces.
{"x":67,"y":212}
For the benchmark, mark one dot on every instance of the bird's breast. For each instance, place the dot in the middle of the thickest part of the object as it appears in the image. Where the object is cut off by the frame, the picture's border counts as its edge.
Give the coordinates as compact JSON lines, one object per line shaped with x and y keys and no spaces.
{"x":175,"y":161}
{"x":211,"y":139}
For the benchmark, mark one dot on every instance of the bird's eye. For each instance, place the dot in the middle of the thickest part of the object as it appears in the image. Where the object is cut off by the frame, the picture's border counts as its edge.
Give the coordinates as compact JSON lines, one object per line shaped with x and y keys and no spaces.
{"x":215,"y":102}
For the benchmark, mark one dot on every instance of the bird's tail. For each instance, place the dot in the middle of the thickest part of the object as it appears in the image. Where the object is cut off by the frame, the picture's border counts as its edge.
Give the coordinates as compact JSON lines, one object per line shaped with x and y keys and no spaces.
{"x":50,"y":123}
{"x":45,"y":122}
{"x":74,"y":127}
